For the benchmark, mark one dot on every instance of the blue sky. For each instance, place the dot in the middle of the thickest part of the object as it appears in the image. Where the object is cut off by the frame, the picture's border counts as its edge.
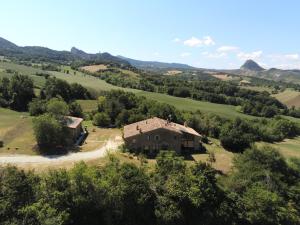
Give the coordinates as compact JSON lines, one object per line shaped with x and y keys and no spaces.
{"x":208,"y":34}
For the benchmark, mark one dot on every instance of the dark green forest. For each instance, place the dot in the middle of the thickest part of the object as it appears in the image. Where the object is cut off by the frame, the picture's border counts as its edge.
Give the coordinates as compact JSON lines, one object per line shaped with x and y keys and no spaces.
{"x":262,"y":189}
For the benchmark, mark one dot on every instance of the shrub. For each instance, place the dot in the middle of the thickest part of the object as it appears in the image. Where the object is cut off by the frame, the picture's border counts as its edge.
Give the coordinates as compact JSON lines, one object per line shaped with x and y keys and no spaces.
{"x":101,"y":119}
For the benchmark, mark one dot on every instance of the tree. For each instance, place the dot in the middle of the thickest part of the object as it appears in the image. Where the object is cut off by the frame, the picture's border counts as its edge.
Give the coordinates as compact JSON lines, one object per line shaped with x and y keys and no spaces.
{"x":101,"y":119}
{"x":75,"y":109}
{"x":37,"y":107}
{"x":57,"y":107}
{"x":16,"y":192}
{"x":20,"y":91}
{"x":49,"y":132}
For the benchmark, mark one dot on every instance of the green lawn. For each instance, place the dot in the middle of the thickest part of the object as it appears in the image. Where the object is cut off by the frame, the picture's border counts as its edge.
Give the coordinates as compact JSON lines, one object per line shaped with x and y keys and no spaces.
{"x":288,"y":147}
{"x":193,"y":105}
{"x":88,"y":105}
{"x":16,"y":132}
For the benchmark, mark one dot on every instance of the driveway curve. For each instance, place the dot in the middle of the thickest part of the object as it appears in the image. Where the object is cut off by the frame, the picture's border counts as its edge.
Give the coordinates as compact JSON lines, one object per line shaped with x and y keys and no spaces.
{"x":18,"y":159}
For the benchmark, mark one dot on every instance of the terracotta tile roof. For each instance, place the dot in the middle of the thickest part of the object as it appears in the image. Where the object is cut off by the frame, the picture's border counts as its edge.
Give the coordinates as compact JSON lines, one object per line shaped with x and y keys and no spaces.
{"x":73,"y":122}
{"x":154,"y":123}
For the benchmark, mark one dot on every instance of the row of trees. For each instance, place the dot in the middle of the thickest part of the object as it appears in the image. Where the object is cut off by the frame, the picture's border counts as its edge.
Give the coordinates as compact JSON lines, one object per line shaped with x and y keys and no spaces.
{"x":263,"y":189}
{"x":238,"y":134}
{"x":117,"y":108}
{"x":216,"y":91}
{"x":18,"y":91}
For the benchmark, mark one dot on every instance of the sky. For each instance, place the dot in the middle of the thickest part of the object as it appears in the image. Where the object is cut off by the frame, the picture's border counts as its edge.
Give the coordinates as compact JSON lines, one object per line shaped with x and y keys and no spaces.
{"x":207,"y":34}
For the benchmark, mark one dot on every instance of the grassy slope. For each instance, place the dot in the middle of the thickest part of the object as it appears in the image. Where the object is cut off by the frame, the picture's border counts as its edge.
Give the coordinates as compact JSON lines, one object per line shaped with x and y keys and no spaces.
{"x":88,"y":81}
{"x":289,"y":97}
{"x":16,"y":132}
{"x":193,"y":105}
{"x":288,"y":147}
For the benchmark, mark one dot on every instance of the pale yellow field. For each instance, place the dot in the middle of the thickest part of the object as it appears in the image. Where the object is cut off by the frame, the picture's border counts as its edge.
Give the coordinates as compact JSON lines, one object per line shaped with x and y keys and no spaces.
{"x":94,"y":68}
{"x":173,"y":72}
{"x":223,"y":158}
{"x":224,"y":77}
{"x":289,"y":97}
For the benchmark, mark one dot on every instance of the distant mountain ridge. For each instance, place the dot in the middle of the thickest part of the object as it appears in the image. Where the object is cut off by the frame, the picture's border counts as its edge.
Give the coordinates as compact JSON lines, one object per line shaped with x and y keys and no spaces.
{"x":249,"y":68}
{"x":154,"y":64}
{"x":10,"y":49}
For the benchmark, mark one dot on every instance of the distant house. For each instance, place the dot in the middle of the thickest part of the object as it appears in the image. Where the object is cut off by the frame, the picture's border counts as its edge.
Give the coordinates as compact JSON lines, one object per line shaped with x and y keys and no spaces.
{"x":74,"y":124}
{"x":157,"y":134}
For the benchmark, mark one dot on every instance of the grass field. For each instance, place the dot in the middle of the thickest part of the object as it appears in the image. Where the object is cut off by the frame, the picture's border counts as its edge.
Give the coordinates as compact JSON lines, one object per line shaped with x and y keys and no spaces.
{"x":16,"y":132}
{"x":288,"y":147}
{"x":94,"y":68}
{"x":96,"y":84}
{"x":289,"y":97}
{"x":258,"y":88}
{"x":227,"y":111}
{"x":223,"y":158}
{"x":88,"y":105}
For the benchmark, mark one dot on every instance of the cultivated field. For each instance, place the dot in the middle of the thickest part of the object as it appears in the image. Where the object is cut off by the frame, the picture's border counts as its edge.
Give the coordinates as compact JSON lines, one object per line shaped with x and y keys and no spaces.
{"x":173,"y":72}
{"x":289,"y":97}
{"x":94,"y":68}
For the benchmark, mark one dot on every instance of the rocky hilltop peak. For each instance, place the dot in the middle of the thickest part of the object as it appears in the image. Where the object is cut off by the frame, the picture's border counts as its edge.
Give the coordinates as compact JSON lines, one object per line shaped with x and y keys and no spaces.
{"x":252,"y":66}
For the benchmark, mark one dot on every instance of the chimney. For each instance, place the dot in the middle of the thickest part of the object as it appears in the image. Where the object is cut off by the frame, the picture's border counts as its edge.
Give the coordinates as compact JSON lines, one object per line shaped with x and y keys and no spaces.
{"x":185,"y":124}
{"x":137,"y":127}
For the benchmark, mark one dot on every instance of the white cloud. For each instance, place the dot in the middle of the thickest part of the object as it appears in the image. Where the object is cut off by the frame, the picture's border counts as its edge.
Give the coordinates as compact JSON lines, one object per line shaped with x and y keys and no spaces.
{"x":215,"y":55}
{"x":156,"y":54}
{"x":250,"y":55}
{"x":195,"y":42}
{"x":176,"y":40}
{"x":227,"y":48}
{"x":185,"y":54}
{"x":292,"y":56}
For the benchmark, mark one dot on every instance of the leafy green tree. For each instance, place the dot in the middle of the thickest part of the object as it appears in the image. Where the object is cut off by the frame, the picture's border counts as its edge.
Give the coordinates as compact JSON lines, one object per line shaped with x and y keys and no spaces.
{"x":37,"y":107}
{"x":17,"y":190}
{"x":57,"y":107}
{"x":49,"y":132}
{"x":101,"y":119}
{"x":75,"y":109}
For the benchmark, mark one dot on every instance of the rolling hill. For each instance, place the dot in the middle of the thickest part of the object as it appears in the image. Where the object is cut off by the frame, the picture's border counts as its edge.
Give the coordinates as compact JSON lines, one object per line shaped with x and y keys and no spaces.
{"x":10,"y":49}
{"x":155,"y":65}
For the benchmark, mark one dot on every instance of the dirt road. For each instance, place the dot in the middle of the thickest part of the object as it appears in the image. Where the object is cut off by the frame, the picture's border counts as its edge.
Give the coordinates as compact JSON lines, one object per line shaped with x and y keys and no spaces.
{"x":17,"y":159}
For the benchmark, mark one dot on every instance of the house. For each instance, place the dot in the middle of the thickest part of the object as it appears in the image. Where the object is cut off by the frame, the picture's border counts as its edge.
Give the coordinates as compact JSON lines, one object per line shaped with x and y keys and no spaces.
{"x":74,"y":125}
{"x":156,"y":134}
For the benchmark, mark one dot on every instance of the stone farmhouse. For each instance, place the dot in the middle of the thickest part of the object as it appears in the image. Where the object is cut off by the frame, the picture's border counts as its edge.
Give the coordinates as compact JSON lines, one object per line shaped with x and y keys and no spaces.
{"x":156,"y":134}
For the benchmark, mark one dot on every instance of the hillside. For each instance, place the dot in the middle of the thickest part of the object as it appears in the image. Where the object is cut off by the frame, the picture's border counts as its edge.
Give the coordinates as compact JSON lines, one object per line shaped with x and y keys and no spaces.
{"x":39,"y":53}
{"x":155,"y":65}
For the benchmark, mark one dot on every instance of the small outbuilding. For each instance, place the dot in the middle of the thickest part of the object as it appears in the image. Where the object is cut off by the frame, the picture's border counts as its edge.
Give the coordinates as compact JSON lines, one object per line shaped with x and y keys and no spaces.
{"x":74,"y":124}
{"x":156,"y":134}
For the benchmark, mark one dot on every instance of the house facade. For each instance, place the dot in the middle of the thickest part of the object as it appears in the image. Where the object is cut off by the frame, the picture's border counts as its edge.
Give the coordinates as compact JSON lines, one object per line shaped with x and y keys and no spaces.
{"x":156,"y":134}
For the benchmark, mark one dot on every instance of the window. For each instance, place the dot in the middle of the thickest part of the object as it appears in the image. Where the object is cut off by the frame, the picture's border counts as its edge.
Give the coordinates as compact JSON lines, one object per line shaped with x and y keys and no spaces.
{"x":156,"y":137}
{"x":175,"y":137}
{"x":134,"y":141}
{"x":148,"y":137}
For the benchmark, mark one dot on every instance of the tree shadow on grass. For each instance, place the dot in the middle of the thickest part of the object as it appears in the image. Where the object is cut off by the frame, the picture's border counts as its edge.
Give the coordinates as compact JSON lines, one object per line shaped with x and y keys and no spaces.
{"x":55,"y":151}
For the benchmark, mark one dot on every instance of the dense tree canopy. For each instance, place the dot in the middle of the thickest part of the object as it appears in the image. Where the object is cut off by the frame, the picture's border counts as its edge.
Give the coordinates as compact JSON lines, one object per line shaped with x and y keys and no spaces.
{"x":262,"y":189}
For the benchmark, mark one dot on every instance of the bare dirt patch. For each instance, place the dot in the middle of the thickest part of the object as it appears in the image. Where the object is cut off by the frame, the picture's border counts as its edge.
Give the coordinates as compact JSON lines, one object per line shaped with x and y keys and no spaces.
{"x":173,"y":72}
{"x":224,"y":77}
{"x":94,"y":68}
